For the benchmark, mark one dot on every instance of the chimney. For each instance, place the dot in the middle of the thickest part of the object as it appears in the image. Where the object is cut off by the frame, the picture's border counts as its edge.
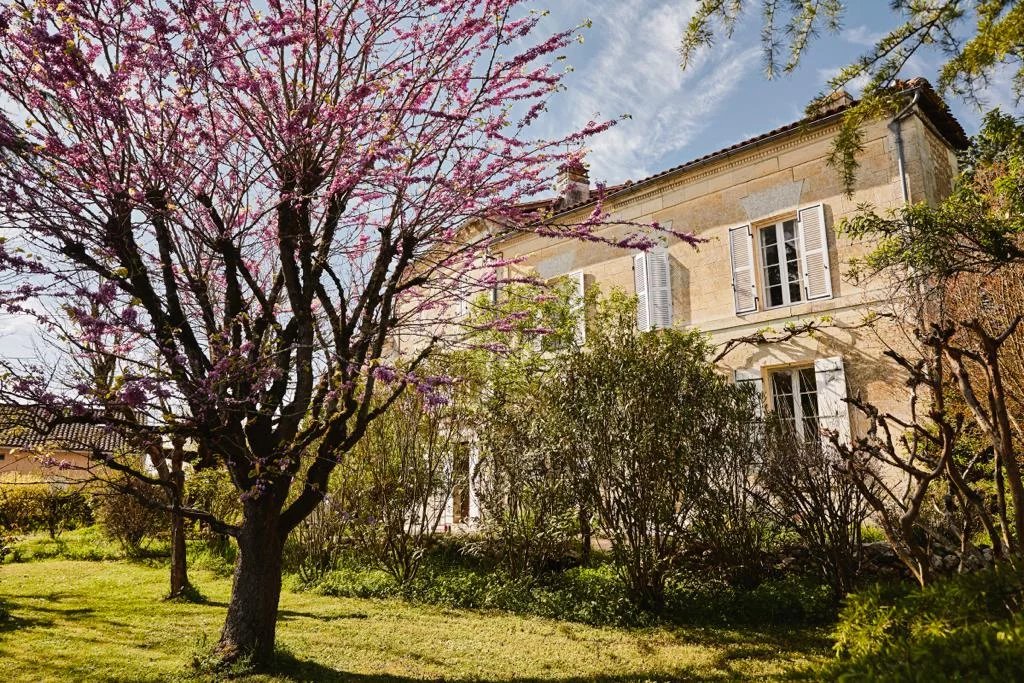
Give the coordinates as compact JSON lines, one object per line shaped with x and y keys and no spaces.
{"x":833,"y":102}
{"x":573,"y":183}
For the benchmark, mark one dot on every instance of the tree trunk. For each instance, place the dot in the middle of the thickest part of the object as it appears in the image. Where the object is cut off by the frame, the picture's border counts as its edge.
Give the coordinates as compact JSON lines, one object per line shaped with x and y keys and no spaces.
{"x":179,"y":567}
{"x":250,"y":626}
{"x":585,"y":536}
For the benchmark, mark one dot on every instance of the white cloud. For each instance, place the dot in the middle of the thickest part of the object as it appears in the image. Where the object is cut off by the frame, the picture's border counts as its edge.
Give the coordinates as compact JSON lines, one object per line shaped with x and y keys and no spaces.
{"x":635,"y":69}
{"x":862,"y":35}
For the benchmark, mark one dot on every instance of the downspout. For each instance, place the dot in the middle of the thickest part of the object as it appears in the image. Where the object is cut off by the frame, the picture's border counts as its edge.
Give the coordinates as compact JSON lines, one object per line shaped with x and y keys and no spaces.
{"x":897,"y":131}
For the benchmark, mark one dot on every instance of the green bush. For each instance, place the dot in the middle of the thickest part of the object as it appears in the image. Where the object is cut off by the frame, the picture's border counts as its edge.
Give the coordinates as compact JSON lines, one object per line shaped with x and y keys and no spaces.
{"x":125,"y":518}
{"x":786,"y":600}
{"x":88,"y":544}
{"x":591,"y":595}
{"x":215,"y":559}
{"x":965,"y":628}
{"x":28,"y":504}
{"x":349,"y":582}
{"x":211,"y":489}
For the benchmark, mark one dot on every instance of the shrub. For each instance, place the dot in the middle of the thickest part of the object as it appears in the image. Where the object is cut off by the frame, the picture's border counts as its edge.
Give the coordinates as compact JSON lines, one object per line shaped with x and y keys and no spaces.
{"x":126,"y":519}
{"x":211,"y":489}
{"x":591,"y":595}
{"x":968,"y":627}
{"x":694,"y":599}
{"x":731,"y":526}
{"x":88,"y":543}
{"x":314,"y":548}
{"x":29,"y":504}
{"x":400,"y":476}
{"x":350,"y":582}
{"x":219,"y":561}
{"x":812,"y":494}
{"x":530,"y":513}
{"x":660,"y":442}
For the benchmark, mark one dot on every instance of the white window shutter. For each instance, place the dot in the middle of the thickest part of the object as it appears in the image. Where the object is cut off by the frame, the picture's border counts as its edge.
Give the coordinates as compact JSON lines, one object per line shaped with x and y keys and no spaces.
{"x":814,"y":245}
{"x":643,"y":316}
{"x":833,"y":411}
{"x":462,"y":292}
{"x":474,"y":501}
{"x":577,"y":304}
{"x":754,"y":378}
{"x":741,"y":254}
{"x":659,"y":289}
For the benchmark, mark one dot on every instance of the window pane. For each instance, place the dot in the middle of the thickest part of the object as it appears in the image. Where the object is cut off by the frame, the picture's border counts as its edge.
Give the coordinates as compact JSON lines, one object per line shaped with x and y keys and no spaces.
{"x":782,"y":393}
{"x":809,"y":405}
{"x":775,"y":296}
{"x":808,"y":383}
{"x":795,"y":291}
{"x":789,"y":231}
{"x":792,"y":243}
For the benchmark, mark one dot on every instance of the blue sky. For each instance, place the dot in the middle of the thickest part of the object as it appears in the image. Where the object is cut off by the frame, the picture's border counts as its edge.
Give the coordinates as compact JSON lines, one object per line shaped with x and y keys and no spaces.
{"x":629,"y":64}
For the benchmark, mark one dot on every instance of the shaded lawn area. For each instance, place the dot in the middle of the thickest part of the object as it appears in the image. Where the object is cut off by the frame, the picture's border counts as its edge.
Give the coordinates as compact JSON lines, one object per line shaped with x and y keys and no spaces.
{"x":93,"y":621}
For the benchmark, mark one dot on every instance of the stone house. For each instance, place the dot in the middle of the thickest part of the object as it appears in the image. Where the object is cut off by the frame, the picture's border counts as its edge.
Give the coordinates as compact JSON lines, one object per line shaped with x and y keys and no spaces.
{"x":767,"y":210}
{"x":64,"y":453}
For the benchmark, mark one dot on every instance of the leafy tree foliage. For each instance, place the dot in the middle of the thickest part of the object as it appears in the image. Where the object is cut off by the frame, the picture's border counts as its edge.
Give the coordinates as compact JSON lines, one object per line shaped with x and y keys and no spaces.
{"x":401,"y":475}
{"x":957,"y":272}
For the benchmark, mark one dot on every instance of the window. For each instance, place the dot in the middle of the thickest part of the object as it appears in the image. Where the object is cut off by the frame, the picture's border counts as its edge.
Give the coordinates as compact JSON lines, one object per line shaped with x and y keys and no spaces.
{"x":461,"y":477}
{"x":795,"y":400}
{"x":790,"y":256}
{"x":780,"y":264}
{"x":811,"y":398}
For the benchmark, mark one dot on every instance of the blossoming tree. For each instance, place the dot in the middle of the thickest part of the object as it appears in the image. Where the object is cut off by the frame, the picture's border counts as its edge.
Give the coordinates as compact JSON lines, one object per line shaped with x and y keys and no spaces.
{"x":240,"y":203}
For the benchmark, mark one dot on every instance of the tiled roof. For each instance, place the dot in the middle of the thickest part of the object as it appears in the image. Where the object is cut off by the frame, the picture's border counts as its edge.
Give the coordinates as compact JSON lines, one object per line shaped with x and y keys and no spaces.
{"x":28,"y":427}
{"x":930,"y":103}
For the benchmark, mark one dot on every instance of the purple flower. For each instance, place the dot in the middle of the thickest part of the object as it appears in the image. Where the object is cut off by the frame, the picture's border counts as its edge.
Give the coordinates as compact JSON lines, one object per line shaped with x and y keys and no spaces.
{"x":133,"y":396}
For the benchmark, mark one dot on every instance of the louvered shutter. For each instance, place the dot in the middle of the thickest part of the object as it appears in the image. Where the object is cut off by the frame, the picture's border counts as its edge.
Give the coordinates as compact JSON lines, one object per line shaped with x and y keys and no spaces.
{"x":833,"y":411}
{"x":474,"y":501}
{"x":741,"y":254}
{"x":753,"y":377}
{"x":462,"y":304}
{"x":643,"y":317}
{"x":577,"y":304}
{"x":659,"y":289}
{"x":814,"y":245}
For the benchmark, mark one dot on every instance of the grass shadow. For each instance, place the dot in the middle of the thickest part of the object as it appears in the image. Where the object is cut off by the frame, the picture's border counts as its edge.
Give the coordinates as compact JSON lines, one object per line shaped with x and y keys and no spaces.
{"x":288,"y":667}
{"x":10,"y":623}
{"x":288,"y":615}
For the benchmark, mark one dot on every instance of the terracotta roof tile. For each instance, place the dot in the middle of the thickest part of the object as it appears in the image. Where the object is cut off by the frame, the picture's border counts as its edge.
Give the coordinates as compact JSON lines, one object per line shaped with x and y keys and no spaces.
{"x":31,"y":427}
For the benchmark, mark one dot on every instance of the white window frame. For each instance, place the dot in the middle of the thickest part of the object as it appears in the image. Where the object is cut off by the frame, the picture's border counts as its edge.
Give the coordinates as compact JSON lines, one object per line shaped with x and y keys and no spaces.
{"x":795,"y":398}
{"x":780,"y":241}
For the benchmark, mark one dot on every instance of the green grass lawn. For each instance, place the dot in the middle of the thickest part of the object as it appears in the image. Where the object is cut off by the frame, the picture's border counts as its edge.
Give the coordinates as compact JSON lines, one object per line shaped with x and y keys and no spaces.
{"x":105,"y":621}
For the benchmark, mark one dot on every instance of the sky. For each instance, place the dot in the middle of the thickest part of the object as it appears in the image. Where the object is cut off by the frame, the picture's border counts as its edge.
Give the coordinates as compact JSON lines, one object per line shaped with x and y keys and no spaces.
{"x":629,"y":64}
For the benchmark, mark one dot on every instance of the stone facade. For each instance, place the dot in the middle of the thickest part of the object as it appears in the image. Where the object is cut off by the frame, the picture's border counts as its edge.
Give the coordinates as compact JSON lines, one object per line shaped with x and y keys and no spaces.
{"x":766,"y":182}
